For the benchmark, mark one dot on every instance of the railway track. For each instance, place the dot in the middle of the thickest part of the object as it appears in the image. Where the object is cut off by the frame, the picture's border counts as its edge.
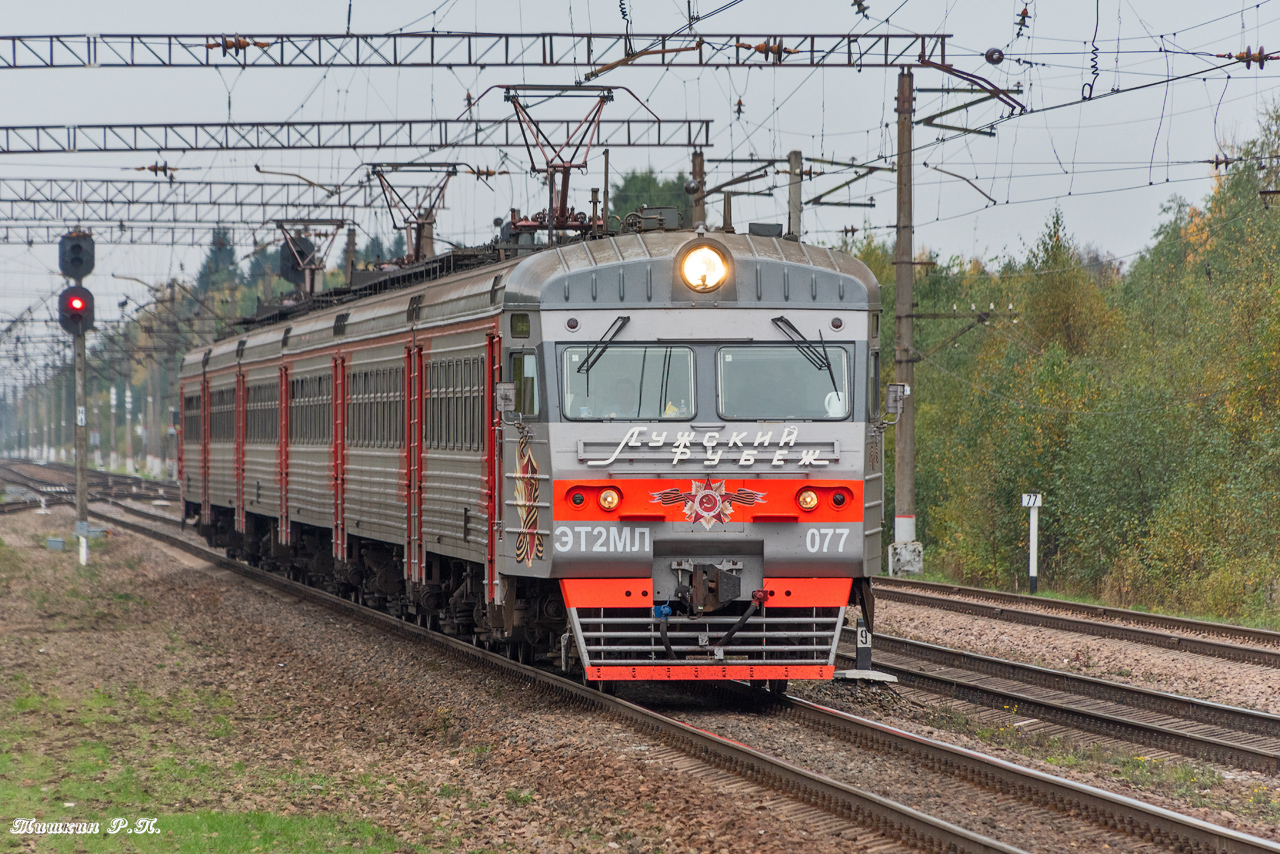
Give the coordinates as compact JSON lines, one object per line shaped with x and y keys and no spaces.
{"x":57,"y":481}
{"x":893,"y":821}
{"x":1240,"y":738}
{"x":1096,"y":808}
{"x":18,"y":506}
{"x":1236,"y":645}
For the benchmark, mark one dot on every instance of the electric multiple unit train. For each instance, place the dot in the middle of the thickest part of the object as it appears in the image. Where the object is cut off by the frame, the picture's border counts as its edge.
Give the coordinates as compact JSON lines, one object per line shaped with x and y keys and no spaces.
{"x":637,"y":456}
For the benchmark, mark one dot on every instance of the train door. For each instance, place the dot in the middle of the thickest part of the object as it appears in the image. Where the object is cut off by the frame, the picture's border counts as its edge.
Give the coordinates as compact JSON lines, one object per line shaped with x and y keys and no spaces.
{"x":526,"y":481}
{"x":241,"y":428}
{"x":493,"y":464}
{"x":339,"y":457}
{"x":182,"y":450}
{"x":413,"y":461}
{"x":206,"y":507}
{"x":282,"y":458}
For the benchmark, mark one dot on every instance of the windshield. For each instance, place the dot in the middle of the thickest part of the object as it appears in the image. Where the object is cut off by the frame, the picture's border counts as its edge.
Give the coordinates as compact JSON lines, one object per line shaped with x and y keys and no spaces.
{"x":778,"y":382}
{"x":629,"y":382}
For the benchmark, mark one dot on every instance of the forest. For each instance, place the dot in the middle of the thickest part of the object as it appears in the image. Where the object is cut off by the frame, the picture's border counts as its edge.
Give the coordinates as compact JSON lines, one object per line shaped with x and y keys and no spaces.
{"x":1138,"y":395}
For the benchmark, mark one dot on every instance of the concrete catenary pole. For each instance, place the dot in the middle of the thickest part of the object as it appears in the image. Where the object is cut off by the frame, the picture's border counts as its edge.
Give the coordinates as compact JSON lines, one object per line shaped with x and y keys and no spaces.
{"x":113,"y":461}
{"x":82,"y":435}
{"x":128,"y":428}
{"x":349,"y":257}
{"x":906,"y":554}
{"x":698,"y":211}
{"x":794,"y":165}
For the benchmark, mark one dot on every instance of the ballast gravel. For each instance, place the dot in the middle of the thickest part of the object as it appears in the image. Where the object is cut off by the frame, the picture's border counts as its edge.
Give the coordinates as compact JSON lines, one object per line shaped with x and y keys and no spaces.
{"x":1232,"y":683}
{"x":1004,"y":817}
{"x":437,"y":753}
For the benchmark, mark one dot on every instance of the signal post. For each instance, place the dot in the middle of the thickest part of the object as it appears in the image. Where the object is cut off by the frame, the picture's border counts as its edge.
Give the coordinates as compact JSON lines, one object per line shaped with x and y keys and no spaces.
{"x":75,"y":315}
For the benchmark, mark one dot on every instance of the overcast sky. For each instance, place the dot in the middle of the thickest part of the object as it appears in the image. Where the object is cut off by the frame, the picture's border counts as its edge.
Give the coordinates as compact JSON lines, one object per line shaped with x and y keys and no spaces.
{"x":1110,"y":162}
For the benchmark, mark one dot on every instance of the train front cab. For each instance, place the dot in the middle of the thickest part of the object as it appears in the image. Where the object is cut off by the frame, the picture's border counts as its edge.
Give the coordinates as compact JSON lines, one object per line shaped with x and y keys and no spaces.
{"x":712,"y":459}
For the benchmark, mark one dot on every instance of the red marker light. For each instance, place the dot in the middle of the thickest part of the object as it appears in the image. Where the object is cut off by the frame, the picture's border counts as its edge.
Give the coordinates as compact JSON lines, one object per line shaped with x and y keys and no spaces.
{"x":77,"y":303}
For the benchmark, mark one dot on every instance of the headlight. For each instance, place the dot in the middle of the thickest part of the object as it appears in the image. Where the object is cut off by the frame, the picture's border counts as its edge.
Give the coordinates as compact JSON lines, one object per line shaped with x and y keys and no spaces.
{"x":807,"y":499}
{"x":704,"y":269}
{"x":609,"y":498}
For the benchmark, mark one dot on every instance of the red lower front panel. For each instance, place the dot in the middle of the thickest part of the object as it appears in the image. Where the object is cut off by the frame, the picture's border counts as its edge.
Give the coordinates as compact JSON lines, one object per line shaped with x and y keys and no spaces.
{"x":619,"y":637}
{"x":687,"y":672}
{"x":637,"y":592}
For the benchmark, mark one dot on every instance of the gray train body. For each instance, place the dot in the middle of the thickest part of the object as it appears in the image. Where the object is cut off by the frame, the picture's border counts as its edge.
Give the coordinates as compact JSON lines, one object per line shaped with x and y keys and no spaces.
{"x":573,"y":455}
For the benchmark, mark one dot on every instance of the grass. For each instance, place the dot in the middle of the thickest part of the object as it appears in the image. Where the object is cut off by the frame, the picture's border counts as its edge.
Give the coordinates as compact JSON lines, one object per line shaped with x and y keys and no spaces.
{"x":448,"y":790}
{"x":518,"y":798}
{"x":102,"y":752}
{"x":106,"y":766}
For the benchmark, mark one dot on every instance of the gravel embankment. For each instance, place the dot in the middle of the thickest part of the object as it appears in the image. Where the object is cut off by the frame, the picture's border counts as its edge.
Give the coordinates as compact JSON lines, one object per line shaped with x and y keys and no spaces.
{"x":1003,"y":817}
{"x":456,"y":756}
{"x":1228,"y":682}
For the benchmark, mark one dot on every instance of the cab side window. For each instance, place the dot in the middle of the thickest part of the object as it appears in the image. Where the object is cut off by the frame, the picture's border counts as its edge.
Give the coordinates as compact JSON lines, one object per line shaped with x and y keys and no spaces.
{"x":873,"y":387}
{"x":524,"y":373}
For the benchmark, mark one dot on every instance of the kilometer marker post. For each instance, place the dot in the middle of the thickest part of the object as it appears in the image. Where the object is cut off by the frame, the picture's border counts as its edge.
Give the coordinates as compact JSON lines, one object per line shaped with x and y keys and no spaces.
{"x":1033,"y":500}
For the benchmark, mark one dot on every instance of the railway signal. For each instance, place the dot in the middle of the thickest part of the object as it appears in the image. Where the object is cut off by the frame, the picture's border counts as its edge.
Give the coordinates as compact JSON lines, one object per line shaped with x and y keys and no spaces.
{"x":75,"y":310}
{"x":75,"y":255}
{"x":75,"y":314}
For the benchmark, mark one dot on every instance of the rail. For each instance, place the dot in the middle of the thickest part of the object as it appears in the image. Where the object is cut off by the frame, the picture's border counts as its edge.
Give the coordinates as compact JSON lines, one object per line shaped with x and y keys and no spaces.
{"x":1173,"y":723}
{"x":895,"y":820}
{"x":1078,"y":625}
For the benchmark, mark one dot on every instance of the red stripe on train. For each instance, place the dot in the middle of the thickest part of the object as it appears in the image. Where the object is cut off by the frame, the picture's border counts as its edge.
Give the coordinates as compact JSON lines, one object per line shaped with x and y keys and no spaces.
{"x":708,"y":672}
{"x":638,"y":592}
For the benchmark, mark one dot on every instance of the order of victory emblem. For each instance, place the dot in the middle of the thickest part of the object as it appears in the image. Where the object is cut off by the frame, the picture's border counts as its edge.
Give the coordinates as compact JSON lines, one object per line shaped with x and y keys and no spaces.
{"x":528,"y":542}
{"x":707,"y":502}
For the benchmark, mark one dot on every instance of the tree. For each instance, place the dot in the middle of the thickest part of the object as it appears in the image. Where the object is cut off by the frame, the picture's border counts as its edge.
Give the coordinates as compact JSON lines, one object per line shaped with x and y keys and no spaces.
{"x":374,"y":250}
{"x":220,"y":268}
{"x":645,"y":188}
{"x":264,"y":265}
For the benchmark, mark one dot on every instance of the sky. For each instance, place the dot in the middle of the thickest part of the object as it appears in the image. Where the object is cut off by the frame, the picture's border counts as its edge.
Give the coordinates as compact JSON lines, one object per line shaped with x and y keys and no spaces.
{"x":1110,"y":162}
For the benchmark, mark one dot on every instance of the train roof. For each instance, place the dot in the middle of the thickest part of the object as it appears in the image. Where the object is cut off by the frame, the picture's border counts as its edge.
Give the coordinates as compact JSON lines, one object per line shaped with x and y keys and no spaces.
{"x":597,"y":273}
{"x":635,"y":270}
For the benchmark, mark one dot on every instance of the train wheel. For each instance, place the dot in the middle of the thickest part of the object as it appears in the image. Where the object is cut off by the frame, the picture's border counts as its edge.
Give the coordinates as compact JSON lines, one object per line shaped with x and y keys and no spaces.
{"x":777,"y":686}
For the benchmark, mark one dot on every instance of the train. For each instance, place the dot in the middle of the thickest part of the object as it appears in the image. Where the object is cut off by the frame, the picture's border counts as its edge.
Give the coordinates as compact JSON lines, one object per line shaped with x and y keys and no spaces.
{"x":642,"y":455}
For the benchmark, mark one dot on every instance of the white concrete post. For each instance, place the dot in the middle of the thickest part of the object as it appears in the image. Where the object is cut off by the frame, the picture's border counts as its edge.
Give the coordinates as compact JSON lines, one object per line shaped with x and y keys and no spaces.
{"x":1033,"y":500}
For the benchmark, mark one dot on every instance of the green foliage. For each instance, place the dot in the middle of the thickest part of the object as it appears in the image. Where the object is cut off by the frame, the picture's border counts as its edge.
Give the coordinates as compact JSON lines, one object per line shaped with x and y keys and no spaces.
{"x":264,"y":265}
{"x":220,"y":268}
{"x":374,"y":250}
{"x":1143,"y":404}
{"x":645,"y":188}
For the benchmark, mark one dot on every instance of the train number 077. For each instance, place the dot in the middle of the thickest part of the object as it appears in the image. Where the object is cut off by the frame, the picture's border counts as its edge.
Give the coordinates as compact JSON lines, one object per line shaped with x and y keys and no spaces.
{"x":822,"y":539}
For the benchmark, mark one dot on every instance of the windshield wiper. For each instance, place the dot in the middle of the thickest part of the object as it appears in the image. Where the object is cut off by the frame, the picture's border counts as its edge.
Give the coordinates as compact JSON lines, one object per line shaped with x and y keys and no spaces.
{"x":815,"y":356}
{"x":598,"y":349}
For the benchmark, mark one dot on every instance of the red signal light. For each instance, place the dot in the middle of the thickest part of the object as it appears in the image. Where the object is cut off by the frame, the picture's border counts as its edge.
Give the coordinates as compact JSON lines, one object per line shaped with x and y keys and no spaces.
{"x":75,"y":310}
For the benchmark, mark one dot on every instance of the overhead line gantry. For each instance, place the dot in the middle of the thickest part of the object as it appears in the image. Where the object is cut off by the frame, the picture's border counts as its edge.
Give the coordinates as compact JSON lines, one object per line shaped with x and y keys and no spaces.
{"x":422,"y":134}
{"x":28,"y":201}
{"x":93,"y":191}
{"x":141,"y":234}
{"x":475,"y":50}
